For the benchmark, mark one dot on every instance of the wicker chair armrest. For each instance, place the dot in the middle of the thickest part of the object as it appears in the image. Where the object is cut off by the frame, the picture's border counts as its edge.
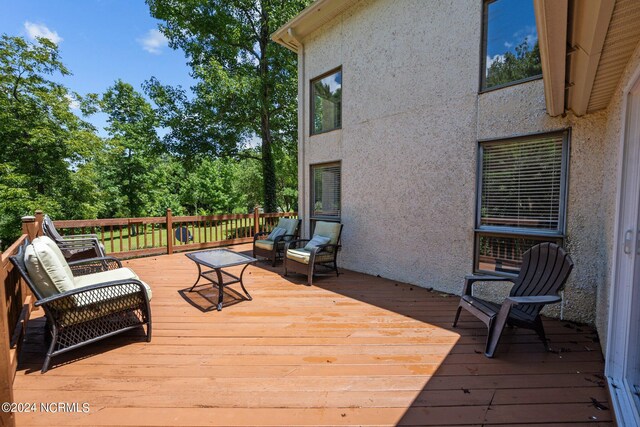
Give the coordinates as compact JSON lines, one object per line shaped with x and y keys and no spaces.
{"x":325,"y":247}
{"x":94,"y":265}
{"x":284,"y":238}
{"x":58,"y":298}
{"x":534,"y":299}
{"x":80,"y":236}
{"x":471,"y":279}
{"x":260,"y":233}
{"x":292,"y":244}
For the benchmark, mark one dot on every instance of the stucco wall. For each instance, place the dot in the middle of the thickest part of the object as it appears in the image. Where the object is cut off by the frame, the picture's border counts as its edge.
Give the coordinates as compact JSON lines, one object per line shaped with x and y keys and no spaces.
{"x":612,"y":144}
{"x":411,"y":119}
{"x":520,"y":110}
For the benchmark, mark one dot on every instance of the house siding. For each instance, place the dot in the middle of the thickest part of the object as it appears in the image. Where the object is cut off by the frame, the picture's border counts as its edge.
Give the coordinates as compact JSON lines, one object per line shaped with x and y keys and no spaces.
{"x":411,"y":120}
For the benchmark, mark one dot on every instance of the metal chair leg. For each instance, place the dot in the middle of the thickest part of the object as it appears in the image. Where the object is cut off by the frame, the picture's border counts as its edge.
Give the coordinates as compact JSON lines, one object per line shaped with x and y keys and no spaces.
{"x":54,"y":340}
{"x":455,"y":321}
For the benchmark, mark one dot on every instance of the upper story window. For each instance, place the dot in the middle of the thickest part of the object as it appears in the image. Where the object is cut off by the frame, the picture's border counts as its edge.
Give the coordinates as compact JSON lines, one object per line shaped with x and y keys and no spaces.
{"x":510,"y":52}
{"x":326,"y":102}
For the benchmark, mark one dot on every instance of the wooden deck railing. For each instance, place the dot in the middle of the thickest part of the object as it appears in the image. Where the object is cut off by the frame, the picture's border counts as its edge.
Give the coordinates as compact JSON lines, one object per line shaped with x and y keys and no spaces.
{"x":16,"y":303}
{"x":133,"y":237}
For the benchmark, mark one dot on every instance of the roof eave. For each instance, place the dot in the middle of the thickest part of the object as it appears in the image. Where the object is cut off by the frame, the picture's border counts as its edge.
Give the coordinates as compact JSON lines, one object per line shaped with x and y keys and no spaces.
{"x":310,"y":19}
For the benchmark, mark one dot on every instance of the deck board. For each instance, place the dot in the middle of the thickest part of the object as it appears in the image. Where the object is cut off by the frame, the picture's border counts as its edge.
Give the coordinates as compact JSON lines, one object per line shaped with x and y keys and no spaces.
{"x":353,"y":350}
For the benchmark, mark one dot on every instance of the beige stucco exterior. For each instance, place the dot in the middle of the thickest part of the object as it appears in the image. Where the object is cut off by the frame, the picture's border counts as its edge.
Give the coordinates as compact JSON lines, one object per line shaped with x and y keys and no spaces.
{"x":411,"y":121}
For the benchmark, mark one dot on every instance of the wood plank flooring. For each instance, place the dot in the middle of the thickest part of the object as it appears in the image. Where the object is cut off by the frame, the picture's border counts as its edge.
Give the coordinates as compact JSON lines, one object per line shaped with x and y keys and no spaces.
{"x":353,"y":350}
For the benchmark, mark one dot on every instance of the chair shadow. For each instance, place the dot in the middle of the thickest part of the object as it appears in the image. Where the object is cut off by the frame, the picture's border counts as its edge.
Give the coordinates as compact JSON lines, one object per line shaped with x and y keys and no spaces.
{"x":34,"y":348}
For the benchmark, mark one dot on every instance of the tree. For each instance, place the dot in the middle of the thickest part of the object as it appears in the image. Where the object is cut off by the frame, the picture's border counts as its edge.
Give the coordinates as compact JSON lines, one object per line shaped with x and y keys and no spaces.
{"x":45,"y":161}
{"x":512,"y":67}
{"x":132,"y":151}
{"x":246,"y":83}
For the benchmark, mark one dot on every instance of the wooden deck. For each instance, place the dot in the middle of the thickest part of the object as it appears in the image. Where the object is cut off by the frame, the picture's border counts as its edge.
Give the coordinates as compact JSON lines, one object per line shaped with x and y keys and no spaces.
{"x":357,"y":350}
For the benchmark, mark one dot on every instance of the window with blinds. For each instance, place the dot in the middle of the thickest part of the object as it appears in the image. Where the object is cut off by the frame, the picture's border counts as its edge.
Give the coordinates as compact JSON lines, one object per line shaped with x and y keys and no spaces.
{"x":325,"y":190}
{"x":522,"y":186}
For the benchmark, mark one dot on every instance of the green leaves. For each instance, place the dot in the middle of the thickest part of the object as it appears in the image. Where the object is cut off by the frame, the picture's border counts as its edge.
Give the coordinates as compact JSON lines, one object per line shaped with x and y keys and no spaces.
{"x":247,"y":84}
{"x":45,"y":146}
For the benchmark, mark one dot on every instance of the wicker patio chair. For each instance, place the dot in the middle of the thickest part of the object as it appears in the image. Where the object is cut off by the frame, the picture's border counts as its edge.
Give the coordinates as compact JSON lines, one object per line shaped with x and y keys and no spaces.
{"x":83,"y":301}
{"x":75,"y":247}
{"x":319,"y":251}
{"x":544,"y":271}
{"x":272,"y":247}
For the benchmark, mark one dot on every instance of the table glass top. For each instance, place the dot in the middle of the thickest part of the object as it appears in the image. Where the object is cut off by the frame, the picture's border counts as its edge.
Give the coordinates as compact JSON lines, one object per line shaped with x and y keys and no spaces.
{"x":219,"y":258}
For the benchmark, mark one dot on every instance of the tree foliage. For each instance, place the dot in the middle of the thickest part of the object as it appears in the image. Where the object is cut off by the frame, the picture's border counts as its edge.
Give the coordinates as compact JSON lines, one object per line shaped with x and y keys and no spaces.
{"x":54,"y":160}
{"x":246,"y":83}
{"x":47,"y":150}
{"x":512,"y":67}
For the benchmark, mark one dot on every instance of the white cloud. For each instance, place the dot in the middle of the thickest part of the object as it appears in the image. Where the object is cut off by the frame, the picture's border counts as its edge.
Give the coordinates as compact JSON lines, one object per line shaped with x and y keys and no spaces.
{"x":153,"y":42}
{"x":73,"y":102}
{"x":508,"y":45}
{"x":490,"y":60}
{"x":41,"y":30}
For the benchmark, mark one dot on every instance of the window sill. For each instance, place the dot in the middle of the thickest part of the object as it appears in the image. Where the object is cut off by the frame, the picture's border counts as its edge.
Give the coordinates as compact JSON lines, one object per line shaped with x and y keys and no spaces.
{"x":506,"y":85}
{"x":324,"y":131}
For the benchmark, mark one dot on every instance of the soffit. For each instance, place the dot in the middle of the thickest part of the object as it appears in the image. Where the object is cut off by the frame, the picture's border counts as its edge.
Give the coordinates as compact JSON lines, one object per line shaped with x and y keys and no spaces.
{"x":621,"y":40}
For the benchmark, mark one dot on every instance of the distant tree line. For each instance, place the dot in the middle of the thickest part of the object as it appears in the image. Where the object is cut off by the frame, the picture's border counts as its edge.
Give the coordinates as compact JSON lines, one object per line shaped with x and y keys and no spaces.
{"x":187,"y":153}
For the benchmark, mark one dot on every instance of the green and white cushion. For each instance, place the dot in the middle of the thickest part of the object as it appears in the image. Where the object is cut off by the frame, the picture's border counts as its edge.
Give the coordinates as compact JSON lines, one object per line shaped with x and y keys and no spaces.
{"x":303,"y":255}
{"x":264,"y":244}
{"x":289,"y":224}
{"x":47,"y":267}
{"x":50,"y":272}
{"x":109,"y":276}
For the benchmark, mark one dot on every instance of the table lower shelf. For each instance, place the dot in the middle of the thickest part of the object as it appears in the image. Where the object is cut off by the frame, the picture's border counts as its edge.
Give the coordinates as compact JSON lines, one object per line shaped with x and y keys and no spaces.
{"x":227,"y":278}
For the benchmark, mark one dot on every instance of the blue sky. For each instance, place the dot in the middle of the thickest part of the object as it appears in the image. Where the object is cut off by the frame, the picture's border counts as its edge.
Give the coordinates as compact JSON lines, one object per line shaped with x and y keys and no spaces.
{"x":100,"y":41}
{"x":509,"y":23}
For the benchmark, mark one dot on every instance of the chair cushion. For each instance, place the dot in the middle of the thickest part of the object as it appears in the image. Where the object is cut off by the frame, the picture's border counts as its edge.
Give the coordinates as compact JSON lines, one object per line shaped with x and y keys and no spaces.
{"x":108,"y":276}
{"x":276,"y":232}
{"x":47,"y":268}
{"x":302,"y":256}
{"x":330,"y":230}
{"x":289,"y":224}
{"x":264,"y":244}
{"x":316,"y":241}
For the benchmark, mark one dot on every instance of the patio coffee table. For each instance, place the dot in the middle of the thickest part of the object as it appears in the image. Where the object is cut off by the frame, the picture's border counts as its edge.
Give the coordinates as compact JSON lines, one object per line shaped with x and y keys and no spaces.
{"x":217,"y":259}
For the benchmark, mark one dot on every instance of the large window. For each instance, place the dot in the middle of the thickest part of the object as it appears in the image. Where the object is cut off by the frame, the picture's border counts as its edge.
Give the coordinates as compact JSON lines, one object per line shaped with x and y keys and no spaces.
{"x":325,"y":191}
{"x":510,"y":51}
{"x":326,"y":102}
{"x":522,"y":198}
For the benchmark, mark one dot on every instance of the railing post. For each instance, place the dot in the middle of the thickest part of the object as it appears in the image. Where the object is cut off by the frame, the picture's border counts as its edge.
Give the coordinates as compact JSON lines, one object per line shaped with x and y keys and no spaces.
{"x":256,"y":220}
{"x":39,"y":219}
{"x":169,"y":231}
{"x":29,"y":226}
{"x":6,"y":371}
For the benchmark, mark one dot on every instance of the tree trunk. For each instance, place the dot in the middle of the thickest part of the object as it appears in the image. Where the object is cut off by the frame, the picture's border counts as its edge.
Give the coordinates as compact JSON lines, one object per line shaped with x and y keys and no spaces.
{"x":268,"y":163}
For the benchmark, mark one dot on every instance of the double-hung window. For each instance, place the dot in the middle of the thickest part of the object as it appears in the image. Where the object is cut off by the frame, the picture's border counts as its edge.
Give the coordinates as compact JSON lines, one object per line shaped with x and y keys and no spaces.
{"x":522,"y":193}
{"x":325,"y":192}
{"x":326,"y":102}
